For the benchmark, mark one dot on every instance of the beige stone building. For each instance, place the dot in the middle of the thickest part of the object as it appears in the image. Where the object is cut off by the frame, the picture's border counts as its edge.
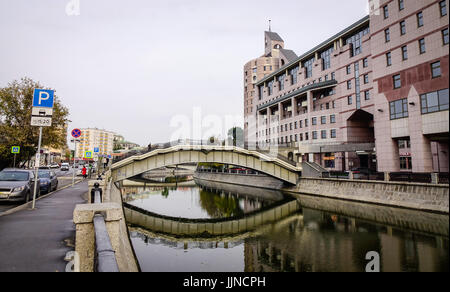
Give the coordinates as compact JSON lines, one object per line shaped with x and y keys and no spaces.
{"x":92,"y":138}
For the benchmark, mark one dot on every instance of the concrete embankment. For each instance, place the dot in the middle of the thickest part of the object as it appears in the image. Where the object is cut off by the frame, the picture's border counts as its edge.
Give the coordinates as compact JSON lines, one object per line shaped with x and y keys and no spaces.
{"x":418,"y":196}
{"x":427,"y":197}
{"x":259,"y":180}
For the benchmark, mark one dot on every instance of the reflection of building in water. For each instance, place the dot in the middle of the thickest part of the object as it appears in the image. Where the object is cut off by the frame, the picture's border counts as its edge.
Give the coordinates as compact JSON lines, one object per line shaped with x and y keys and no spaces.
{"x":323,"y":242}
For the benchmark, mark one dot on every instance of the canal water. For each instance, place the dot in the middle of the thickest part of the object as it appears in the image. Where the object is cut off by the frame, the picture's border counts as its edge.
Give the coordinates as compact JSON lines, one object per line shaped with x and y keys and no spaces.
{"x":324,"y":235}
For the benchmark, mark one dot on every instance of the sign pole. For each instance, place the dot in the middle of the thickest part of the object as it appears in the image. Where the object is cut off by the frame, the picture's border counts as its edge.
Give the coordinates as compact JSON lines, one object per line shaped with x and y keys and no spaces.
{"x":73,"y":166}
{"x":14,"y":165}
{"x":36,"y":166}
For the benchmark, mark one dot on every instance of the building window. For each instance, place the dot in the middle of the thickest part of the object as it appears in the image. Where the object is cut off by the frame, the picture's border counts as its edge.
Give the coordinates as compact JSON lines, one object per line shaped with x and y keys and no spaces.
{"x":401,"y":5}
{"x":443,"y":8}
{"x":333,"y":75}
{"x":405,"y":53}
{"x":301,"y":124}
{"x":294,"y":75}
{"x":389,"y":59}
{"x":399,"y":109}
{"x":402,"y":27}
{"x":387,"y":35}
{"x":397,"y":81}
{"x":308,"y":67}
{"x":350,"y":100}
{"x":323,"y":134}
{"x":333,"y":119}
{"x":301,"y":137}
{"x":385,"y":11}
{"x":434,"y":101}
{"x":323,"y":120}
{"x":365,"y":62}
{"x":326,"y":58}
{"x":314,"y":135}
{"x":422,"y":48}
{"x":349,"y":69}
{"x":314,"y":121}
{"x":306,"y":136}
{"x":355,"y":41}
{"x":445,"y":36}
{"x":366,"y":78}
{"x":270,"y":88}
{"x":404,"y":144}
{"x":306,"y":123}
{"x":436,"y":69}
{"x":281,"y":81}
{"x":405,"y":163}
{"x":420,"y":19}
{"x":333,"y":133}
{"x":367,"y":95}
{"x":349,"y":84}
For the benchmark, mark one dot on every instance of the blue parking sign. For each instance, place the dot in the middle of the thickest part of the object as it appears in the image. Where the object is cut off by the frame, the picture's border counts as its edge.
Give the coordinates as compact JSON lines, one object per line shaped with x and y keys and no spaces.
{"x":96,"y":150}
{"x":43,"y":98}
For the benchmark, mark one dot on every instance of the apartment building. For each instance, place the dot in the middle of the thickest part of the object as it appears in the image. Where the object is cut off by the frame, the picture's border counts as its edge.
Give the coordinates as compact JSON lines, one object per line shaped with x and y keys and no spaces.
{"x":275,"y":55}
{"x":92,"y":138}
{"x":374,"y":95}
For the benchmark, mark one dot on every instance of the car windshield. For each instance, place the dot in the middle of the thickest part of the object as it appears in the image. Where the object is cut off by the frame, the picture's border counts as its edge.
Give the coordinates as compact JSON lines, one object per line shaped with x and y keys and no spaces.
{"x":44,"y":174}
{"x":13,"y":176}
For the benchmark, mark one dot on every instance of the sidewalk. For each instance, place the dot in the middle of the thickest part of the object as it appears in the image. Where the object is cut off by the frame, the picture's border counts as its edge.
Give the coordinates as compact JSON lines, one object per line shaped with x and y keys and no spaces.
{"x":36,"y":241}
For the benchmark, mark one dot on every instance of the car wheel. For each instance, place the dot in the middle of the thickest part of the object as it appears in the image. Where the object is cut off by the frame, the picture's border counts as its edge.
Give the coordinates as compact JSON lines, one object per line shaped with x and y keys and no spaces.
{"x":27,"y":198}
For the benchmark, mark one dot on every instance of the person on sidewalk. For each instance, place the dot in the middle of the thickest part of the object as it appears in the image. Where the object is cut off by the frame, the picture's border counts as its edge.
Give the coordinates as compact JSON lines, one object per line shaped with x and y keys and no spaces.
{"x":83,"y":172}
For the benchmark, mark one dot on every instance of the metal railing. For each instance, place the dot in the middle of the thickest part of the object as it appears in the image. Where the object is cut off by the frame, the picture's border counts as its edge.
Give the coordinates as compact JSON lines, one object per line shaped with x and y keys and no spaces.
{"x":105,"y":259}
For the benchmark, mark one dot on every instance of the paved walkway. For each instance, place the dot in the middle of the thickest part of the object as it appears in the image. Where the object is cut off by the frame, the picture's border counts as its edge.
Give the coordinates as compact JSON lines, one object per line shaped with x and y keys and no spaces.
{"x":36,"y":241}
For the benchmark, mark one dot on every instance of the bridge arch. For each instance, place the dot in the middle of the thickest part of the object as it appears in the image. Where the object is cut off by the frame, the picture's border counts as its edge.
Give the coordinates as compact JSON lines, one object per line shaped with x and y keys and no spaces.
{"x":180,"y":154}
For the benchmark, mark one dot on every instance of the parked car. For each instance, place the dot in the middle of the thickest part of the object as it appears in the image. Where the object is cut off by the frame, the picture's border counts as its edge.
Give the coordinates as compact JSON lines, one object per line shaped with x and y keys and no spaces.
{"x":65,"y":166}
{"x":17,"y":185}
{"x":361,"y":173}
{"x":44,"y":167}
{"x":49,"y":181}
{"x":54,"y":165}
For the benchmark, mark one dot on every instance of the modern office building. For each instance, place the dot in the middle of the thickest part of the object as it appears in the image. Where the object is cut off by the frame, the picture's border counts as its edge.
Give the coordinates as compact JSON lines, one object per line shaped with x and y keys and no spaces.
{"x":374,"y":95}
{"x":92,"y":138}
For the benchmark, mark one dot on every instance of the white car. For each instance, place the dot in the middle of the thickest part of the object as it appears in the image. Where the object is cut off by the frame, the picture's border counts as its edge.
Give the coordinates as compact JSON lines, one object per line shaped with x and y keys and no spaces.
{"x":65,"y":166}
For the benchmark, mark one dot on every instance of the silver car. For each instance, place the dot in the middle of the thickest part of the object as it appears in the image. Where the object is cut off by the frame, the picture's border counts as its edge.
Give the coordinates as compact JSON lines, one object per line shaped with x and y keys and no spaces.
{"x":17,"y":185}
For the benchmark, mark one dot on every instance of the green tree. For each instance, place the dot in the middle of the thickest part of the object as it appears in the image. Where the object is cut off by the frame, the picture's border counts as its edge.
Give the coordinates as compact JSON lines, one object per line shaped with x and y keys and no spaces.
{"x":236,"y":136}
{"x":15,"y":116}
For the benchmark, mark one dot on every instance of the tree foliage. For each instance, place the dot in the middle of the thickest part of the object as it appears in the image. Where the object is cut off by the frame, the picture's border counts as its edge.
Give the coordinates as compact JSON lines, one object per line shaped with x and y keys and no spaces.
{"x":15,"y":116}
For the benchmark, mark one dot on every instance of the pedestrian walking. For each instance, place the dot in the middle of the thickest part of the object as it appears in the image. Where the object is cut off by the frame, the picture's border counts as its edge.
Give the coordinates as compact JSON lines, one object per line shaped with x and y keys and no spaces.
{"x":84,"y":172}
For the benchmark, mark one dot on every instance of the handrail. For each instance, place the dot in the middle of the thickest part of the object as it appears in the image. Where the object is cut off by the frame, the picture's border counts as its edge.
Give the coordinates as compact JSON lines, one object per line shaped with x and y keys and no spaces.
{"x":106,"y":257}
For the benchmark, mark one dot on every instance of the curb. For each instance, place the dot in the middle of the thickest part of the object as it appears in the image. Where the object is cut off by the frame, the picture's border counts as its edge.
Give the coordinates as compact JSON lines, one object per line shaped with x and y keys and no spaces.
{"x":30,"y":203}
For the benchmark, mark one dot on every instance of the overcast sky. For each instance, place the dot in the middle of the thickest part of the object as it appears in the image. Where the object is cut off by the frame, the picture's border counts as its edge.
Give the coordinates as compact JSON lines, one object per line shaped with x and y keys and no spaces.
{"x":131,"y":66}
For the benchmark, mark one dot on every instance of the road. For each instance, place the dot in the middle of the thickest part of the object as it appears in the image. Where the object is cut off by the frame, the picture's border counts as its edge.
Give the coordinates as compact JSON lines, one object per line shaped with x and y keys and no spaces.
{"x":64,"y":179}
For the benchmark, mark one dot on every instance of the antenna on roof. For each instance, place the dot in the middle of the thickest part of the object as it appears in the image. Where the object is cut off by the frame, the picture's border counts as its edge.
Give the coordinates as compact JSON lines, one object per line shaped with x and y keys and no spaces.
{"x":270,"y":28}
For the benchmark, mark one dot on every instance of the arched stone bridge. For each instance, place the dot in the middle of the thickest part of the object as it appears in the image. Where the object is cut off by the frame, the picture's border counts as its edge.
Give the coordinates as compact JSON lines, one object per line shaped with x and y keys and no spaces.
{"x":180,"y":154}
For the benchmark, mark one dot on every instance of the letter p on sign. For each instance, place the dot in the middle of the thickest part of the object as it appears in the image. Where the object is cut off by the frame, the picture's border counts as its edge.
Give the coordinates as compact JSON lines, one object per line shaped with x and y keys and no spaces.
{"x":43,"y":98}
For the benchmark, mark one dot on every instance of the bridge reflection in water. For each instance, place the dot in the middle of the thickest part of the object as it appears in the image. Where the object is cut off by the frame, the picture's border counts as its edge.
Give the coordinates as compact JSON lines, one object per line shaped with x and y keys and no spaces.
{"x":322,"y":235}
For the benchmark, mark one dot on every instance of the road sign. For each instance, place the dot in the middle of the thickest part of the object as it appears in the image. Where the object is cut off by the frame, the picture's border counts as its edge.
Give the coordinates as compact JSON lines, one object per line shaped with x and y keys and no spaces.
{"x":42,"y":111}
{"x":88,"y":154}
{"x":43,"y":98}
{"x":15,"y":149}
{"x":96,"y":150}
{"x":76,"y":133}
{"x":41,"y":121}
